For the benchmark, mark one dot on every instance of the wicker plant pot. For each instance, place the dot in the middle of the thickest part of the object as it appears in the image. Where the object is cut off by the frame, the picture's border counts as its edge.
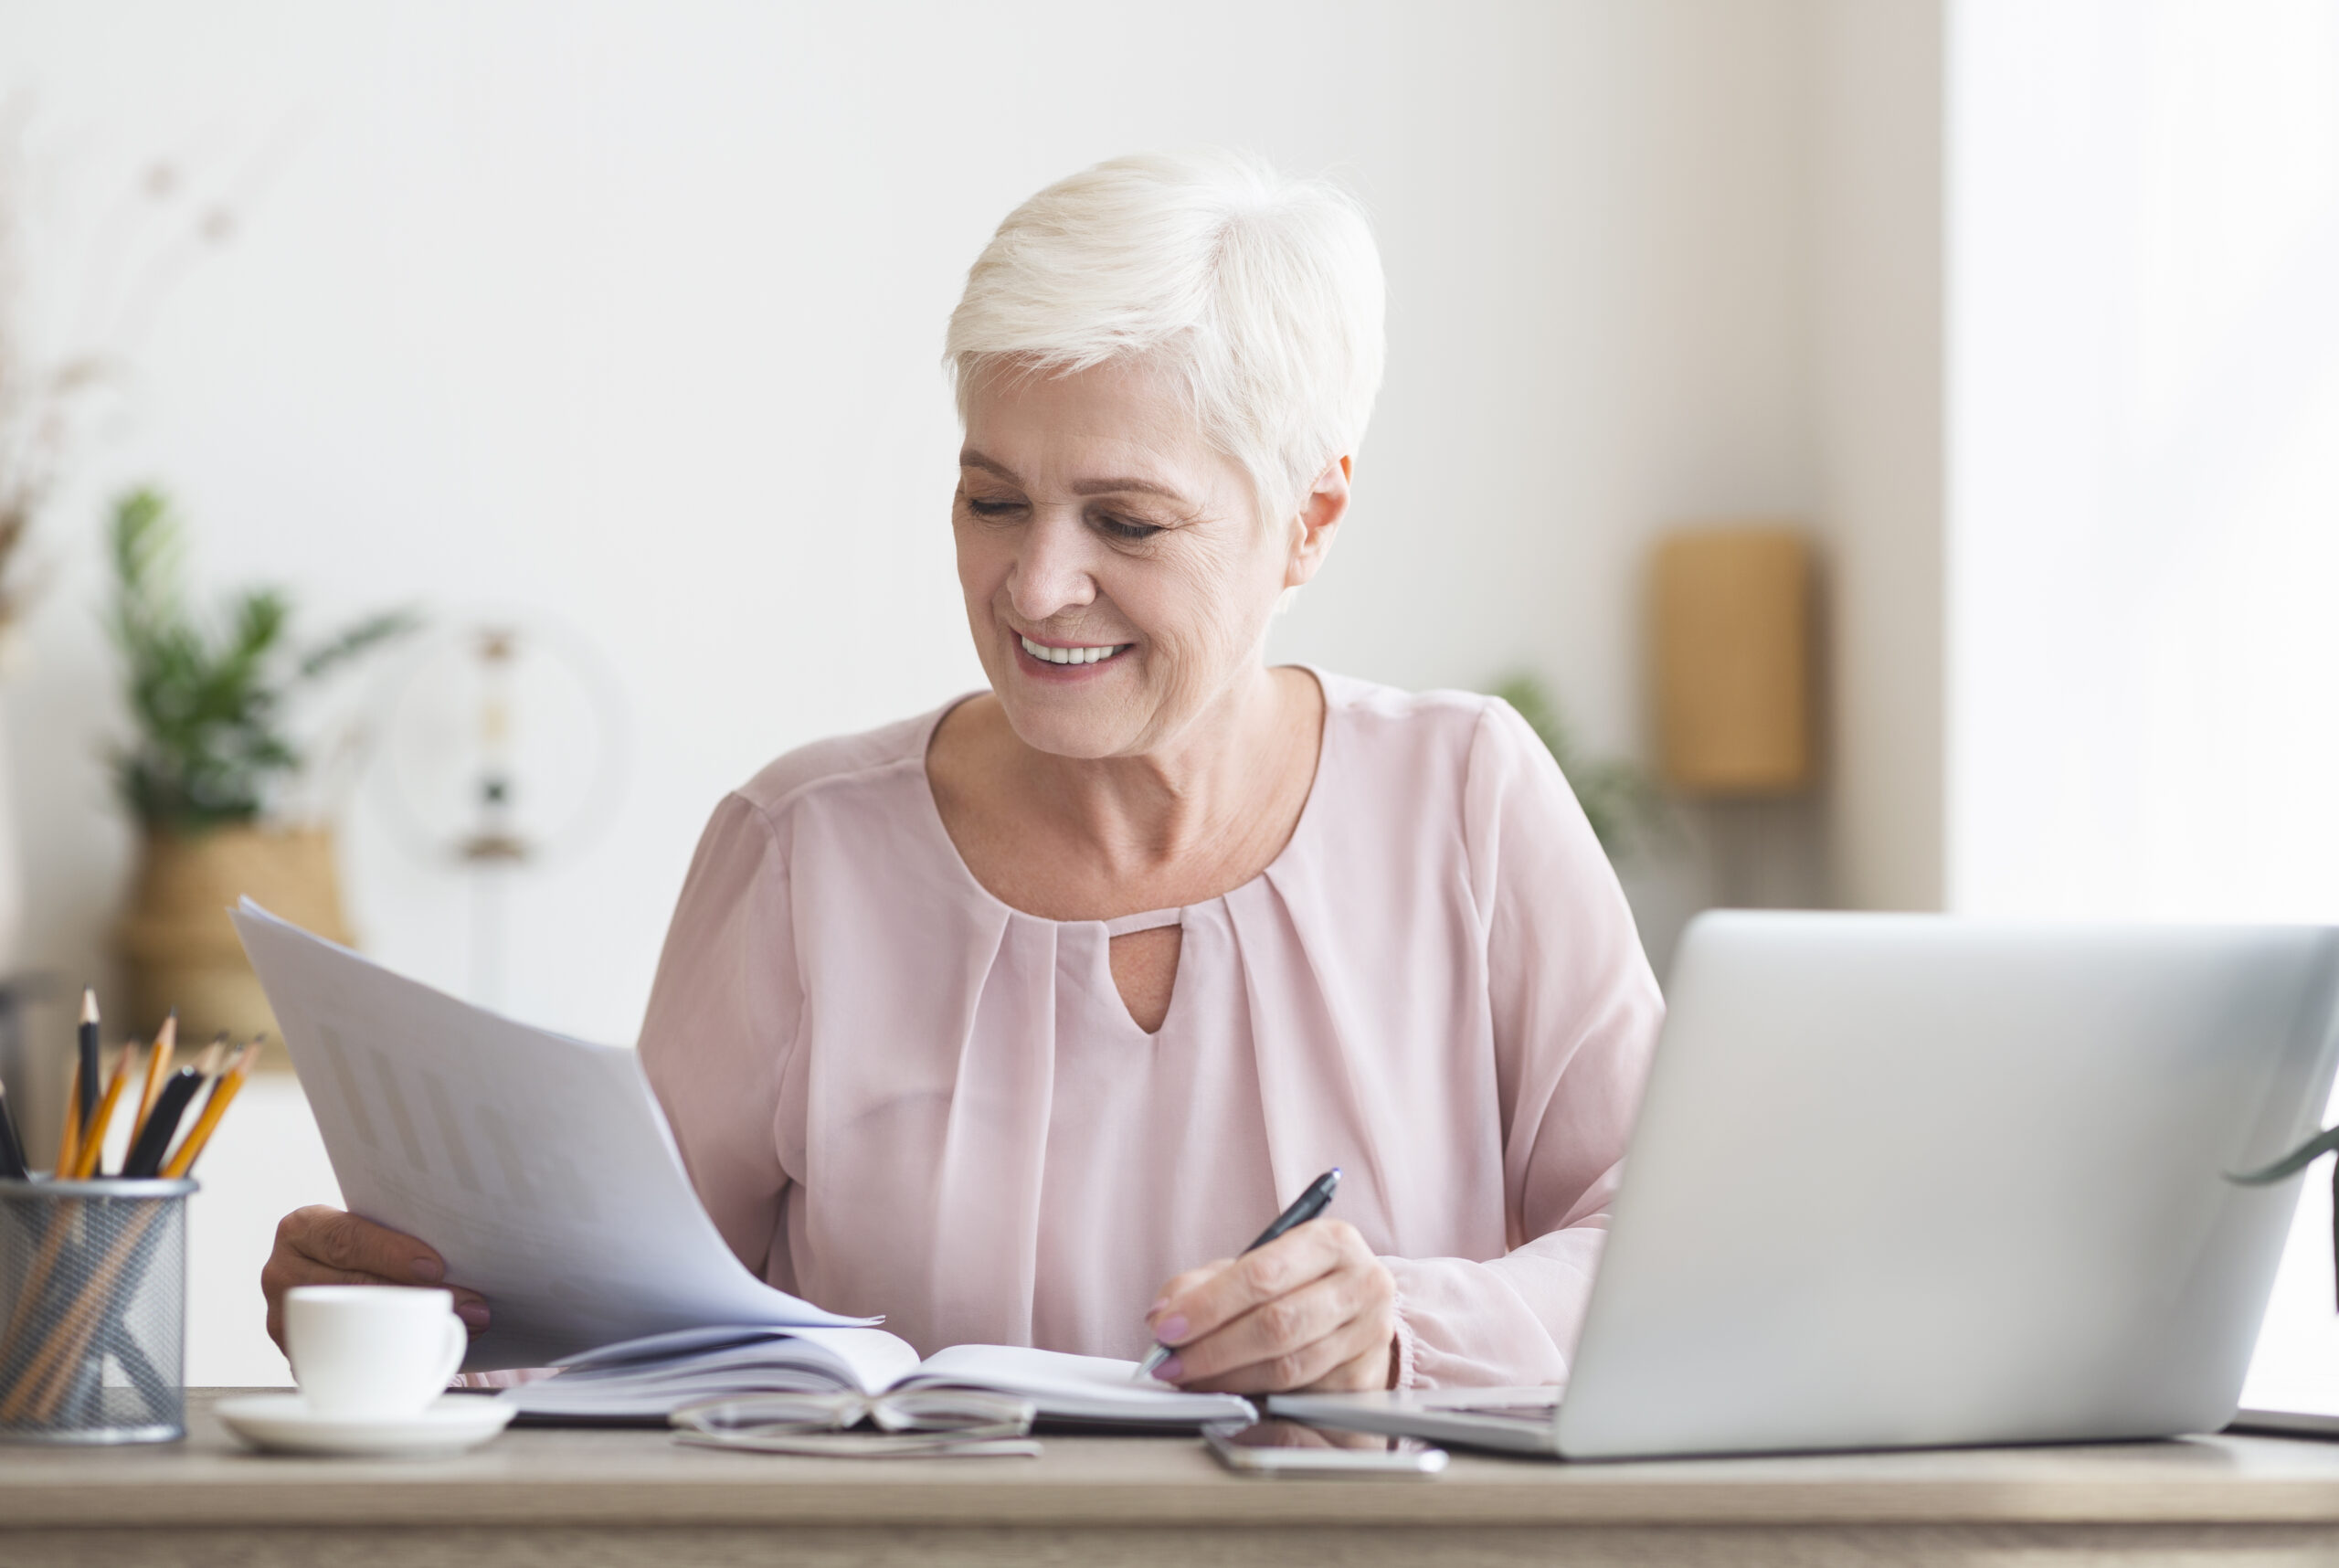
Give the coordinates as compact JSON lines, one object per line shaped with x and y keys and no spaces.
{"x":178,"y":946}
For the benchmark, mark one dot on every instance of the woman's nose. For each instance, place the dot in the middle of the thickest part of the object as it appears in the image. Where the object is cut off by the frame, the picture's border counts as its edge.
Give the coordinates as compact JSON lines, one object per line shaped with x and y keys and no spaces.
{"x":1052,"y":569}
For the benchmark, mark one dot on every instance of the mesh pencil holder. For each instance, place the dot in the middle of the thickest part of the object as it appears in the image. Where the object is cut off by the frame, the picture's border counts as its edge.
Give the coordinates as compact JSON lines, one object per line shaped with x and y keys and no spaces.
{"x":93,"y":1290}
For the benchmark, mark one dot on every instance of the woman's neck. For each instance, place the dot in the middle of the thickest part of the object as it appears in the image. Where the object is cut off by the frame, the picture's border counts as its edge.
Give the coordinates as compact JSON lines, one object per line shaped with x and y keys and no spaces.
{"x":1080,"y":838}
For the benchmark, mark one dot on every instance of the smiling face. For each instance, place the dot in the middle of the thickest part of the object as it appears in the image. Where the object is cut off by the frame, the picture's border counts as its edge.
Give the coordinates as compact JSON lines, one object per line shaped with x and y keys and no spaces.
{"x":1119,"y":580}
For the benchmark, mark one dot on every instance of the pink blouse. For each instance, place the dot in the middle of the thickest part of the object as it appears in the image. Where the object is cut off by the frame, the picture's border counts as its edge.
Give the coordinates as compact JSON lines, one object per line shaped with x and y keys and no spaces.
{"x":897,"y":1095}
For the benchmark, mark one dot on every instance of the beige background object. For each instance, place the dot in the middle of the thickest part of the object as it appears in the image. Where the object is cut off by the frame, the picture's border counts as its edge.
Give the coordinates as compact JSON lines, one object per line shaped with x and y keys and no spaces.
{"x":177,"y":947}
{"x":1734,"y":636}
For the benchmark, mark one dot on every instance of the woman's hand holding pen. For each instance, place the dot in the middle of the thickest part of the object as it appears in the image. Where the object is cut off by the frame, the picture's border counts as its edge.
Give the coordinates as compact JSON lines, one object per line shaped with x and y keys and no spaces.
{"x":1312,"y":1310}
{"x":318,"y":1245}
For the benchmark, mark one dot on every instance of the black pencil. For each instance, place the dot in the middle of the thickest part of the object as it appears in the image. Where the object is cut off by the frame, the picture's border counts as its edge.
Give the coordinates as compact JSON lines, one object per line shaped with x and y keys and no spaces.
{"x":12,"y":1143}
{"x":89,"y":1044}
{"x":145,"y":1156}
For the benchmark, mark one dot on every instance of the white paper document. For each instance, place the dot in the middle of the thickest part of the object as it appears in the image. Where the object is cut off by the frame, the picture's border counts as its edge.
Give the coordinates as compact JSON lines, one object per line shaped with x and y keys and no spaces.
{"x":539,"y":1166}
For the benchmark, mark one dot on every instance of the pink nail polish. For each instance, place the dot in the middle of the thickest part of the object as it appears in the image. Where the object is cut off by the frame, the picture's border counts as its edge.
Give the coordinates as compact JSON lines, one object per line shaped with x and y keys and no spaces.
{"x":1170,"y":1371}
{"x":1170,"y":1330}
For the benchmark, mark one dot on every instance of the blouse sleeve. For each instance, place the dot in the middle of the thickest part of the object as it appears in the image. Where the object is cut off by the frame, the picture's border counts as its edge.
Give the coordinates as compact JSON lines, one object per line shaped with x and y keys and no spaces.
{"x":722,"y":1020}
{"x":1575,"y":1012}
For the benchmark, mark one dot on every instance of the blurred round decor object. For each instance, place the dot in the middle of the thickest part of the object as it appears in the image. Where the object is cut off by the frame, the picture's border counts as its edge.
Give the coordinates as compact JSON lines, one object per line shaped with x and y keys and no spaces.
{"x":179,"y":949}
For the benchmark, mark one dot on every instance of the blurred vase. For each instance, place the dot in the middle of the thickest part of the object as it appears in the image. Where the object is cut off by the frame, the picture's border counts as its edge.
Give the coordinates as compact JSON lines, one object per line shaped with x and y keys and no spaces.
{"x":178,"y":948}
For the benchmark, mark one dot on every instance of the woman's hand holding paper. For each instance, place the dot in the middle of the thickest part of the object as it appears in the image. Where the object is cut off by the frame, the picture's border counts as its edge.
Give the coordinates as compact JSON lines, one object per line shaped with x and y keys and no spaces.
{"x":318,"y":1245}
{"x":1312,"y":1310}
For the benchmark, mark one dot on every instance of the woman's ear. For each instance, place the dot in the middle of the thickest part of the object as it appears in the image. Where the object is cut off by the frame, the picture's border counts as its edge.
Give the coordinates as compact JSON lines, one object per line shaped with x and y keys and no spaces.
{"x":1320,"y":513}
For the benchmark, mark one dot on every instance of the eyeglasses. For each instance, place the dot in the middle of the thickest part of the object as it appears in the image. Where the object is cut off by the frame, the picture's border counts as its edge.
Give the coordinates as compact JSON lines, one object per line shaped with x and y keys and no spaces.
{"x":927,"y":1420}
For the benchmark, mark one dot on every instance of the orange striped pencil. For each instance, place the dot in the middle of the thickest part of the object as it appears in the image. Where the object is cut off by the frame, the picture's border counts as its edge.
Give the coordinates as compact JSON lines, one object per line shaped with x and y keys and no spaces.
{"x":223,"y":1094}
{"x":158,"y":1068}
{"x":68,"y":1143}
{"x":94,"y":1138}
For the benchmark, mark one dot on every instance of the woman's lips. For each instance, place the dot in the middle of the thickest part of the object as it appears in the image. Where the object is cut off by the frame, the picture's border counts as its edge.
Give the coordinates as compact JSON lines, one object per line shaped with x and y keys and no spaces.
{"x":1071,"y":653}
{"x":1067,"y":661}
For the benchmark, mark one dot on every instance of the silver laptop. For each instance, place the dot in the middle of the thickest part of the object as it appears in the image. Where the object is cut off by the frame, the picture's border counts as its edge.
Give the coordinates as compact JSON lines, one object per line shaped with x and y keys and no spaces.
{"x":1911,"y":1180}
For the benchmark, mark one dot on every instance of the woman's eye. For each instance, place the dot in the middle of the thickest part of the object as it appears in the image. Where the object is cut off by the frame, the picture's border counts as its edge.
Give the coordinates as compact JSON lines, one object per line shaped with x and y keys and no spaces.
{"x":992,"y":508}
{"x":1122,"y":528}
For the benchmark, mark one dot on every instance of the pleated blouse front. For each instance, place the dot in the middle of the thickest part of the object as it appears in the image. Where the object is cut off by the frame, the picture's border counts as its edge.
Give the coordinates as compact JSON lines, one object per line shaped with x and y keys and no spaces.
{"x":897,"y":1095}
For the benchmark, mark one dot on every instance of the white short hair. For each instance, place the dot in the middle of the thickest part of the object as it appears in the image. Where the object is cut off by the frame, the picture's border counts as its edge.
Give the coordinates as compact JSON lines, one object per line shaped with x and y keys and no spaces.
{"x":1262,"y":294}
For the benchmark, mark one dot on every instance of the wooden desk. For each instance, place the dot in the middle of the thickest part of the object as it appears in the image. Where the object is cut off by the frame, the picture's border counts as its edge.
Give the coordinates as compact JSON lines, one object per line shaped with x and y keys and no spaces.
{"x":585,"y":1499}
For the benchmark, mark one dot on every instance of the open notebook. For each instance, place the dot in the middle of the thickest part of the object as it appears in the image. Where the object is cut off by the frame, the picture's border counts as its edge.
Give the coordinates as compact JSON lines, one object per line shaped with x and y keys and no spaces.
{"x":644,"y":1380}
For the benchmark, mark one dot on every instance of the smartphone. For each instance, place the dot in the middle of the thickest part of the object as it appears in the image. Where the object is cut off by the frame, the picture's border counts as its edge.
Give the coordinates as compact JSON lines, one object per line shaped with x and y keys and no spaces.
{"x":1288,"y":1448}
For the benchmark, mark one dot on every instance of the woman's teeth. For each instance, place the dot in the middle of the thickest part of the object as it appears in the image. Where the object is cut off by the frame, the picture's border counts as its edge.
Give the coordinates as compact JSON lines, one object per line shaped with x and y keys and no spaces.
{"x":1070,"y":655}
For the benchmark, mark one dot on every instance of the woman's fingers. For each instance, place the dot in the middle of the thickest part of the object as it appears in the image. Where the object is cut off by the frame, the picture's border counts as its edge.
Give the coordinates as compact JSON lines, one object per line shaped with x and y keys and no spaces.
{"x":343,"y":1241}
{"x":1315,"y":1308}
{"x":472,"y":1308}
{"x":1314,"y":1311}
{"x":1191,"y":1307}
{"x":1188,"y":1282}
{"x":1317,"y":1362}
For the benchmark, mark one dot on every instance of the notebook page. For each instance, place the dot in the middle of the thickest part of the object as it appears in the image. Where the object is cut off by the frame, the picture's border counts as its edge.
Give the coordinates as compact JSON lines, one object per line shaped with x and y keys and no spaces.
{"x":628,"y":1380}
{"x":539,"y":1167}
{"x":862,"y":1360}
{"x":866,"y":1358}
{"x":1082,"y":1388}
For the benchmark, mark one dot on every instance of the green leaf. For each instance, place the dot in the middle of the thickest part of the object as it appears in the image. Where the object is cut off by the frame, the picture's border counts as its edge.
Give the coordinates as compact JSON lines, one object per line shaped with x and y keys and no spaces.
{"x":355,"y":639}
{"x":2289,"y":1164}
{"x":207,"y":696}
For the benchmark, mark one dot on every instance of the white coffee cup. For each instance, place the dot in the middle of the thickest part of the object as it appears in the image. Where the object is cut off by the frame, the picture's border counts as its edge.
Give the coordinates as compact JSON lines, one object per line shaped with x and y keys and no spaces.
{"x":372,"y":1352}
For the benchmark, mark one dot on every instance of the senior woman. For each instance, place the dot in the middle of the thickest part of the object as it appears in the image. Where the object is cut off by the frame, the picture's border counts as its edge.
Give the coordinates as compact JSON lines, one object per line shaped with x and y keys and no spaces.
{"x":1004,"y":1020}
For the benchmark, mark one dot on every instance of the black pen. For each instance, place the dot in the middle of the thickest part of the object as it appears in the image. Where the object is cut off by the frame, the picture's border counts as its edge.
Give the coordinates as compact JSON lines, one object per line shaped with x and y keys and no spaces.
{"x":1304,"y":1208}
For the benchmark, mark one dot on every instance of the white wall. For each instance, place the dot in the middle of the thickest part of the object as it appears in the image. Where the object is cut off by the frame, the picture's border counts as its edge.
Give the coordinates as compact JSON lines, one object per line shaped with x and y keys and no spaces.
{"x":1876,"y":234}
{"x":2147,"y":470}
{"x":628,"y":316}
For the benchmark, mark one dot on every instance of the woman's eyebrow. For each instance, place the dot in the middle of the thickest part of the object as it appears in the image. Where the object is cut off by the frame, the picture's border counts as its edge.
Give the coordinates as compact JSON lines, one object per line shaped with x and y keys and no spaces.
{"x":970,"y":458}
{"x":1123,"y":486}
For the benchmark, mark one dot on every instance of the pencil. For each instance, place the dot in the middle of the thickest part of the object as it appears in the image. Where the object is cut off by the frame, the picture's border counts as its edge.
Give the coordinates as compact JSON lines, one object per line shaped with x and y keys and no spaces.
{"x":223,"y":1094}
{"x":158,"y":1068}
{"x":68,"y":1143}
{"x":145,"y":1156}
{"x":12,"y":1142}
{"x":86,"y":1037}
{"x":93,"y":1140}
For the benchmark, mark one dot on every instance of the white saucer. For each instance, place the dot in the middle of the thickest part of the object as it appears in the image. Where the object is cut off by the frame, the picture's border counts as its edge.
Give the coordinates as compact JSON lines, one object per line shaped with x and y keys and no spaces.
{"x":283,"y":1423}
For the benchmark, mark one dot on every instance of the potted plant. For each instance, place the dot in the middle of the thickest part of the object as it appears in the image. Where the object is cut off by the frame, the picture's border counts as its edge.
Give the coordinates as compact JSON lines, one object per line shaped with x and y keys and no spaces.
{"x":205,"y":775}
